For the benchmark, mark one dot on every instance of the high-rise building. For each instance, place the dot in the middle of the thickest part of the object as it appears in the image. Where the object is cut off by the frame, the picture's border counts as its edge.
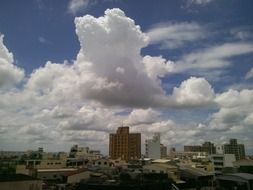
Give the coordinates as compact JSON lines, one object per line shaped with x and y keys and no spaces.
{"x":124,"y":145}
{"x":153,"y":147}
{"x":207,"y":147}
{"x":219,"y":149}
{"x":194,"y":148}
{"x":163,"y":151}
{"x":234,"y":148}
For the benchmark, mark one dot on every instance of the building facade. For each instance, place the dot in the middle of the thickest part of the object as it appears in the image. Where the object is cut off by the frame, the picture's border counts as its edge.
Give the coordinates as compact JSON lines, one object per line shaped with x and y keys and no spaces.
{"x":192,"y":148}
{"x":219,"y":149}
{"x":124,"y":145}
{"x":234,"y":148}
{"x":163,"y":149}
{"x":152,"y":147}
{"x":207,"y":147}
{"x":221,"y":162}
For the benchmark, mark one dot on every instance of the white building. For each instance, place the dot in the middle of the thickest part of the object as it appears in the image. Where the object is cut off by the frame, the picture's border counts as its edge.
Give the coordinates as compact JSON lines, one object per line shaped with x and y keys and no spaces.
{"x":221,"y":161}
{"x":153,"y":147}
{"x":219,"y":149}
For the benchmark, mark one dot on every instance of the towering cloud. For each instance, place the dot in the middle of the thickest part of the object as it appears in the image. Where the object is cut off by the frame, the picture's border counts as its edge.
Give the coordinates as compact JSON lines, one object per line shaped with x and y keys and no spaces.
{"x":110,"y":82}
{"x":9,"y":73}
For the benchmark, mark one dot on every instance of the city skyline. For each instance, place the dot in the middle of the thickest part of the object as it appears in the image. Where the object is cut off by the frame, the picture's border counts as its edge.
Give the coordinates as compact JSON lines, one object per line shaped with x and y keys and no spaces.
{"x":75,"y":71}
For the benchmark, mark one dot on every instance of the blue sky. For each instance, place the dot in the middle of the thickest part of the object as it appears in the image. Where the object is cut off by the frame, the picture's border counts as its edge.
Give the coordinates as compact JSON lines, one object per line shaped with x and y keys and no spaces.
{"x":186,"y":72}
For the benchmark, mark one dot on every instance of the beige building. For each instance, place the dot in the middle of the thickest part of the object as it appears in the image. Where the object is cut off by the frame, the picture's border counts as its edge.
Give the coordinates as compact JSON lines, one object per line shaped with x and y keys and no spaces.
{"x":124,"y":145}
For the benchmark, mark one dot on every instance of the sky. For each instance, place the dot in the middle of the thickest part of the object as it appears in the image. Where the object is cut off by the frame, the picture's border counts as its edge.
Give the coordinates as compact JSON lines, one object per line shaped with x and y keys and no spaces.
{"x":72,"y":71}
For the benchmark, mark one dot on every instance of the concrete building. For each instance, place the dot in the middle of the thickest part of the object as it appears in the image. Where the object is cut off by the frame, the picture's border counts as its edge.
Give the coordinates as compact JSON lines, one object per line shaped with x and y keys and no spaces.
{"x":78,"y":176}
{"x":222,"y":162}
{"x":164,"y":168}
{"x":244,"y":166}
{"x":234,"y":148}
{"x":153,"y":147}
{"x":103,"y":162}
{"x":219,"y":149}
{"x":240,"y":181}
{"x":192,"y":148}
{"x":53,"y":174}
{"x":124,"y":145}
{"x":207,"y":147}
{"x":79,"y":153}
{"x":196,"y":178}
{"x":163,"y":150}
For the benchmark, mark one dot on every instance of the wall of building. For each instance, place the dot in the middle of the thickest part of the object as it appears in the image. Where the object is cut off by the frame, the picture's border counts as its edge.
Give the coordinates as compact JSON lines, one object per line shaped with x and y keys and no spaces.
{"x":153,"y":149}
{"x":76,"y":178}
{"x":124,"y":145}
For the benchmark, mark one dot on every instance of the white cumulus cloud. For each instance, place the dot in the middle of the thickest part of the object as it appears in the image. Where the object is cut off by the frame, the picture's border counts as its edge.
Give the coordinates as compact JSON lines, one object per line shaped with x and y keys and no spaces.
{"x":194,"y":91}
{"x":75,"y":6}
{"x":9,"y":73}
{"x":249,"y":74}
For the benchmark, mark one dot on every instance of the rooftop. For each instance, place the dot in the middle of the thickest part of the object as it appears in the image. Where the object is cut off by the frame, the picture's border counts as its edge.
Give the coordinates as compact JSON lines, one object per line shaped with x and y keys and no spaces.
{"x":163,"y":161}
{"x":243,"y":162}
{"x":57,"y":170}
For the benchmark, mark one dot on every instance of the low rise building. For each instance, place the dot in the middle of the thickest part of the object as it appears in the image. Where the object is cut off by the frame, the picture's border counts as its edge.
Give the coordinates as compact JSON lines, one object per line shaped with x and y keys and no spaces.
{"x":222,"y":162}
{"x":102,"y":162}
{"x":244,"y":166}
{"x":171,"y":170}
{"x":240,"y":181}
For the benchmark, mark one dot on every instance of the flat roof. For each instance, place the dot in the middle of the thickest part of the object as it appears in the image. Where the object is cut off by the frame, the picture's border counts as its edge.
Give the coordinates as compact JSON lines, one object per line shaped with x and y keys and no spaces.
{"x":161,"y":161}
{"x":168,"y":166}
{"x":244,"y":176}
{"x":195,"y":171}
{"x":244,"y":162}
{"x":57,"y":170}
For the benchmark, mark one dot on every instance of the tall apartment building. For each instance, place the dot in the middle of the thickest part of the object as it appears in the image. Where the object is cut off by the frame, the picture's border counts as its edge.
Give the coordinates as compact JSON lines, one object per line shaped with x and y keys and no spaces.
{"x":219,"y":149}
{"x":163,"y":151}
{"x":192,"y":148}
{"x":234,"y":148}
{"x":124,"y":145}
{"x":207,"y":147}
{"x":153,"y":147}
